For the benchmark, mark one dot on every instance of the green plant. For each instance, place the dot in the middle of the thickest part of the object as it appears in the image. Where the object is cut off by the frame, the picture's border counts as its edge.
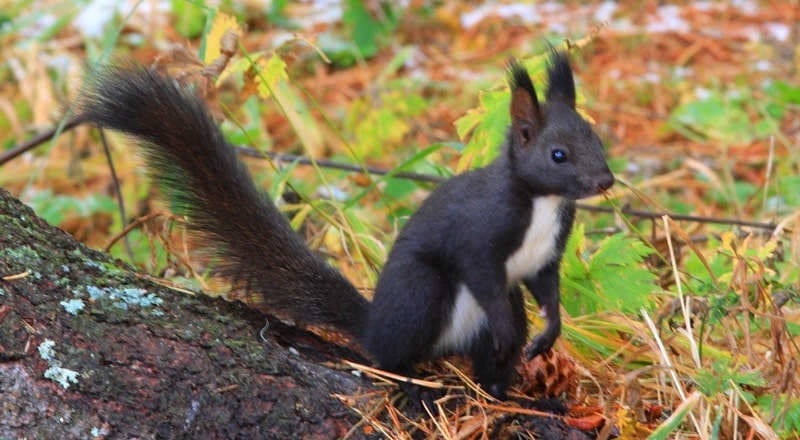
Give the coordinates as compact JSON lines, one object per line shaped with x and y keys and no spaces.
{"x":369,"y":29}
{"x":380,"y":122}
{"x":613,"y":277}
{"x":719,"y":115}
{"x":723,"y":376}
{"x":782,"y":410}
{"x":55,"y":208}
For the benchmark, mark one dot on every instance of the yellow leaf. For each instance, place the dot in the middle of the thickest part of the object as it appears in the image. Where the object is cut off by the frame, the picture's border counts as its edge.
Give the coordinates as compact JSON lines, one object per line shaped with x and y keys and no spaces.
{"x":270,"y":72}
{"x":333,"y":240}
{"x":766,"y":251}
{"x":237,"y":66}
{"x":222,"y":23}
{"x":728,"y":241}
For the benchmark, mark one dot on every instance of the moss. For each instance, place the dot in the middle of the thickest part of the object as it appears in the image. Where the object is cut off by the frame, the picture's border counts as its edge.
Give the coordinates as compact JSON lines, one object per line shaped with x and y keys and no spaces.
{"x":66,"y":283}
{"x":23,"y":255}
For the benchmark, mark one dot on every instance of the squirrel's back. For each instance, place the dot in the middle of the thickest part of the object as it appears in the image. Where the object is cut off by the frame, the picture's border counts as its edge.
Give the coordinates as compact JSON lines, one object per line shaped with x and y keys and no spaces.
{"x":199,"y":173}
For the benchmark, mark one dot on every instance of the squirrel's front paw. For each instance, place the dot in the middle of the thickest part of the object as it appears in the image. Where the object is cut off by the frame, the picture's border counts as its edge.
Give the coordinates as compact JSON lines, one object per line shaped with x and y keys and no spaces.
{"x":539,"y":345}
{"x":544,"y":342}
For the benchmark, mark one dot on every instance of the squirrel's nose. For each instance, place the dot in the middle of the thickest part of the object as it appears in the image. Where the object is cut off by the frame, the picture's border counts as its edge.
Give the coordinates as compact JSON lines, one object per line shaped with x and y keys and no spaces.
{"x":606,"y":181}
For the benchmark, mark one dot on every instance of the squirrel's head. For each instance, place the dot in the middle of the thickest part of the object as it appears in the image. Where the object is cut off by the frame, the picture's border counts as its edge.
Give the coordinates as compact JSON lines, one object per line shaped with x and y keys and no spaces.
{"x":550,"y":146}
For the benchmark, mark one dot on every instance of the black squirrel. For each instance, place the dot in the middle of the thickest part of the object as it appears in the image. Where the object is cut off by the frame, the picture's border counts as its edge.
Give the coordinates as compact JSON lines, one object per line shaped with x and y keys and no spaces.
{"x":451,"y":284}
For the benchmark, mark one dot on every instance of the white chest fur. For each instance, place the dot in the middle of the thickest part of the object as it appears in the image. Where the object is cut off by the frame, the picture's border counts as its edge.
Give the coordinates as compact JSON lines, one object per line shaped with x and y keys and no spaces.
{"x":539,"y":245}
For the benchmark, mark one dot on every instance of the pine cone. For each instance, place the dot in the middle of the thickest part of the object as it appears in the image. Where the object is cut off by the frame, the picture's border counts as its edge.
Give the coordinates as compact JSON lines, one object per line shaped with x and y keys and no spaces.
{"x":550,"y":374}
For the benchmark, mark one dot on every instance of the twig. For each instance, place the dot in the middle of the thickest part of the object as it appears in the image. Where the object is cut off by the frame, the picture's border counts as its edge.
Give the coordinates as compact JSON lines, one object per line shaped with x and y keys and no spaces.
{"x":36,"y":141}
{"x":330,"y":164}
{"x":324,"y":163}
{"x":292,"y":158}
{"x":123,"y":217}
{"x":129,"y":227}
{"x":395,"y":377}
{"x":683,"y":217}
{"x":16,"y":276}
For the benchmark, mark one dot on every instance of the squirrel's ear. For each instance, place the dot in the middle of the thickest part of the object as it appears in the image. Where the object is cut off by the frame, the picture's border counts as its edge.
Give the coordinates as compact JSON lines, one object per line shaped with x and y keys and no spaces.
{"x":526,"y":116}
{"x":561,"y":85}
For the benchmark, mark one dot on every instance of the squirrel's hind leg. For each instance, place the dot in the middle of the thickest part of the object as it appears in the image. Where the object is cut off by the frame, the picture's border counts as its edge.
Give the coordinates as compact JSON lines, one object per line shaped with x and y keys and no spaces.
{"x":493,"y":375}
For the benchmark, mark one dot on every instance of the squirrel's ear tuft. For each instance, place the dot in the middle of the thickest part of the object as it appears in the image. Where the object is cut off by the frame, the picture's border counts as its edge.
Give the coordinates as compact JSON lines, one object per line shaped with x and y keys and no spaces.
{"x":526,"y":116}
{"x":518,"y":78}
{"x":561,"y":85}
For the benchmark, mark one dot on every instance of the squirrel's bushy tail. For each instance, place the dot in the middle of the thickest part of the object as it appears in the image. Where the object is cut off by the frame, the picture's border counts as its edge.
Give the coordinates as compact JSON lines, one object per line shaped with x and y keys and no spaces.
{"x":199,"y":173}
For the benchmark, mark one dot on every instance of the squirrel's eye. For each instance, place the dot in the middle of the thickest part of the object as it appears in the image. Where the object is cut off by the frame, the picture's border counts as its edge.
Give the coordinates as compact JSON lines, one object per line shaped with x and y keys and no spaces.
{"x":559,"y":156}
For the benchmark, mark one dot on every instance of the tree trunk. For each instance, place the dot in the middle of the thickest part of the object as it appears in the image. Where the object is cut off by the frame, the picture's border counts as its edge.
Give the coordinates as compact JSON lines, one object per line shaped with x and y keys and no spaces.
{"x":89,"y":348}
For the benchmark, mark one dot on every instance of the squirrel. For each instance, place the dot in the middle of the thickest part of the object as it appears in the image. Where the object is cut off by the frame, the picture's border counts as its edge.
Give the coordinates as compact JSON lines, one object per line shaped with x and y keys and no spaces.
{"x":451,"y":283}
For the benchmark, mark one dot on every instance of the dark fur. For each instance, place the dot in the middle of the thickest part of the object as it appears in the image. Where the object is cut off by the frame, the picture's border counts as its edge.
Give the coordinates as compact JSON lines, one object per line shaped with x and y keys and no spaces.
{"x":463,"y":235}
{"x":199,"y":173}
{"x":468,"y":228}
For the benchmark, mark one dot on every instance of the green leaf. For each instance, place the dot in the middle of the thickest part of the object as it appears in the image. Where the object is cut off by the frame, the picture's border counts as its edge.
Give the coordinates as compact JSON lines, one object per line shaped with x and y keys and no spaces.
{"x":625,"y":282}
{"x":487,"y":125}
{"x":789,"y":187}
{"x":381,"y":123}
{"x":723,"y":116}
{"x":191,"y":19}
{"x":793,"y":329}
{"x":399,"y":189}
{"x":739,"y":191}
{"x":277,"y":13}
{"x":724,"y":375}
{"x":341,"y":52}
{"x":56,"y":208}
{"x":575,"y":283}
{"x":792,"y":421}
{"x":366,"y":30}
{"x":618,"y":249}
{"x":614,"y":277}
{"x":572,"y":265}
{"x":783,"y":92}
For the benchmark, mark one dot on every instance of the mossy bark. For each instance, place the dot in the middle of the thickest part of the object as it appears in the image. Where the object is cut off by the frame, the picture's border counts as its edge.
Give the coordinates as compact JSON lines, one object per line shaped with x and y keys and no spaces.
{"x":89,"y":348}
